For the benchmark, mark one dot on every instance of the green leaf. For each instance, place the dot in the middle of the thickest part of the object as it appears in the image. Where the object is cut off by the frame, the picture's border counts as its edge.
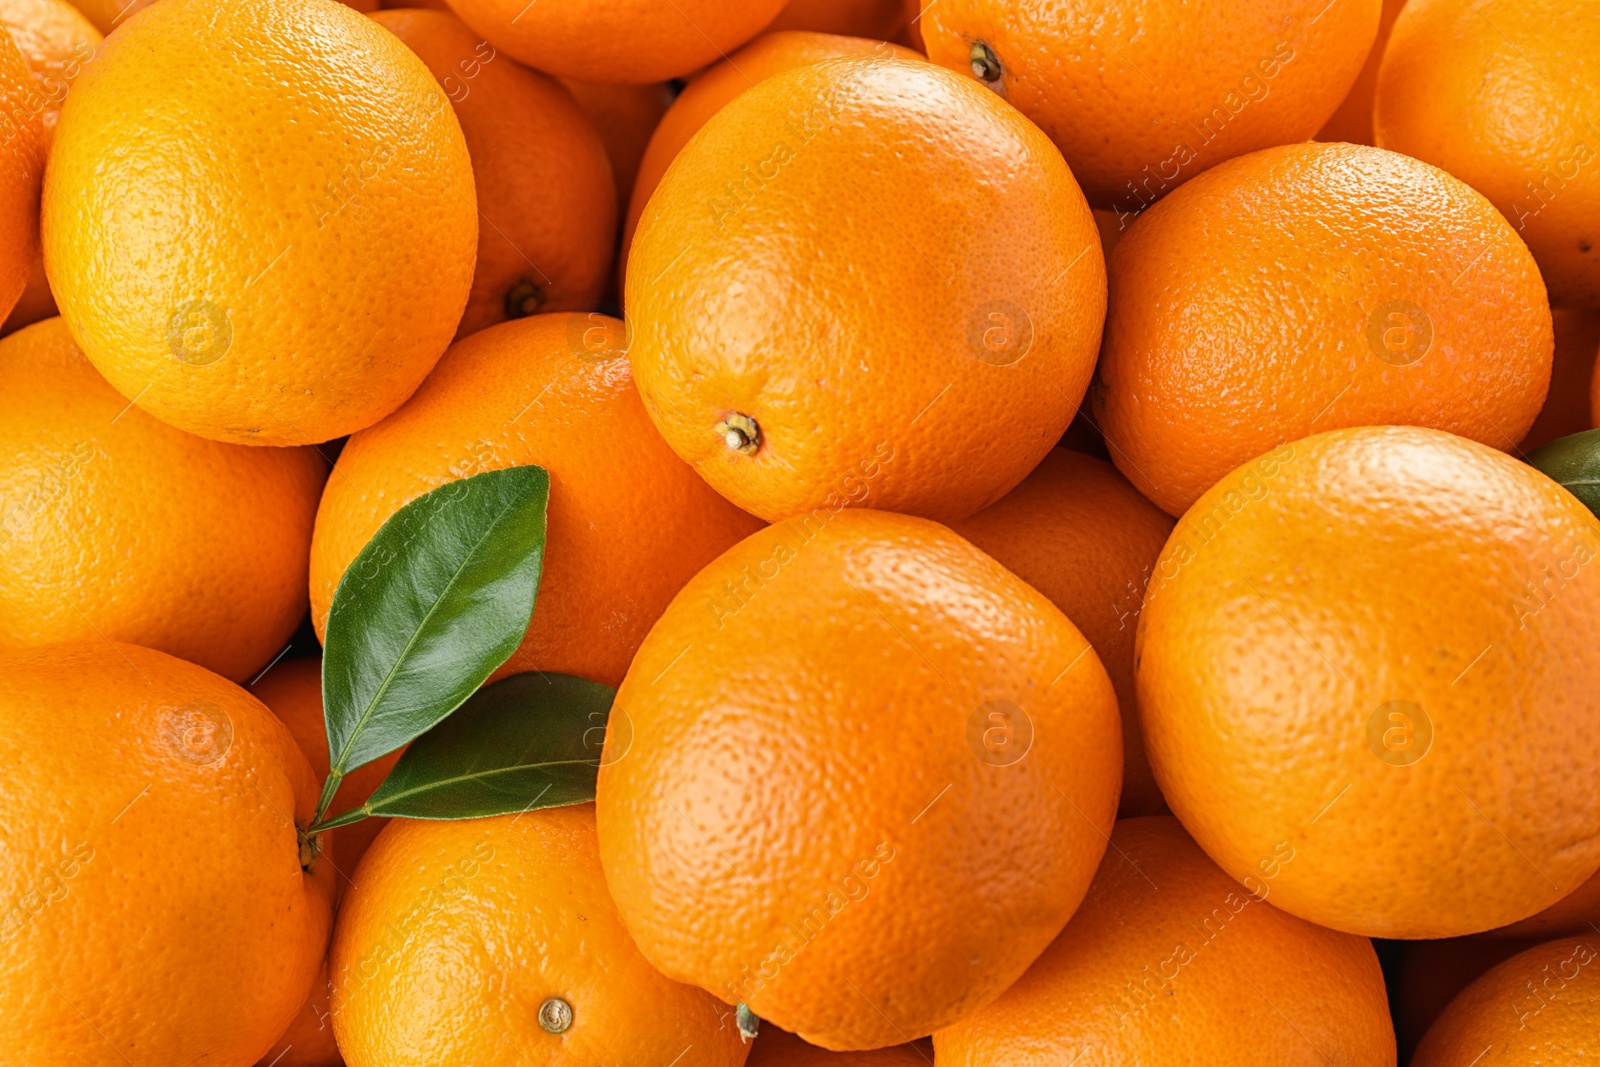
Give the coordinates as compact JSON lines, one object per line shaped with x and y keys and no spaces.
{"x":529,"y":741}
{"x":439,"y":598}
{"x":1574,"y":462}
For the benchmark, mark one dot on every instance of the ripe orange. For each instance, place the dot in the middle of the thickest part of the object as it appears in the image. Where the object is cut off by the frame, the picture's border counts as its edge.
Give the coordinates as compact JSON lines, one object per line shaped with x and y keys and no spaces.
{"x":157,"y":912}
{"x":627,"y":41}
{"x":1502,"y":94}
{"x":1382,"y":646}
{"x":107,"y":15}
{"x":292,"y":689}
{"x":866,"y":778}
{"x":548,"y":222}
{"x":267,"y":250}
{"x":779,"y":1048}
{"x":22,"y":158}
{"x":710,"y":91}
{"x":883,"y":19}
{"x":1577,"y":912}
{"x":308,"y":1042}
{"x":56,"y":40}
{"x":1080,"y":534}
{"x":494,"y":941}
{"x":1429,"y":974}
{"x":1171,"y":961}
{"x":1142,"y":95}
{"x":1566,"y":407}
{"x":624,"y":116}
{"x":904,"y":266}
{"x":1352,"y":122}
{"x":628,"y":522}
{"x":1307,"y":288}
{"x":1541,"y":1006}
{"x":114,"y":525}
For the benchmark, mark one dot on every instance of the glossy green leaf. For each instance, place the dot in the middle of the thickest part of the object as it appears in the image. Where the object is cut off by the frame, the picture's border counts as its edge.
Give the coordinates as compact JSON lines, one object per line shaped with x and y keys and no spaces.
{"x":439,"y":598}
{"x":1574,"y":462}
{"x":526,"y":742}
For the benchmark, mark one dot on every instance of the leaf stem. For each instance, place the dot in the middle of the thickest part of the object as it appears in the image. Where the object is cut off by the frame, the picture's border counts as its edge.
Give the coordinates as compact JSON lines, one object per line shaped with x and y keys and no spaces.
{"x":329,"y":787}
{"x":342,"y":819}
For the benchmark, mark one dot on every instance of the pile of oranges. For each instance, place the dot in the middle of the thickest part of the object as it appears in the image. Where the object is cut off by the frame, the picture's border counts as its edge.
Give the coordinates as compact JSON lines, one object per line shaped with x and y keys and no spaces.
{"x":1056,"y":532}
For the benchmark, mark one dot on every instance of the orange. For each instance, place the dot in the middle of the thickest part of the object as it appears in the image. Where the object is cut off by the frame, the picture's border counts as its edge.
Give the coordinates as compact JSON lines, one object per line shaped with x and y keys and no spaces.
{"x":628,"y":522}
{"x":624,"y":116}
{"x":779,"y":1048}
{"x":1577,"y":912}
{"x":857,"y":256}
{"x":22,"y":159}
{"x":1142,"y":95}
{"x":1077,"y":532}
{"x":293,"y":690}
{"x":1352,"y":122}
{"x":308,"y":1042}
{"x":1429,"y":974}
{"x":1502,"y":94}
{"x":883,"y":19}
{"x":107,"y":15}
{"x":1308,"y":288}
{"x":56,"y":40}
{"x":1566,"y":408}
{"x":1170,"y":961}
{"x":710,"y":91}
{"x":627,"y":41}
{"x":114,"y":525}
{"x":1382,"y":647}
{"x":866,"y":777}
{"x":1541,"y":1006}
{"x":548,"y":221}
{"x":268,"y":250}
{"x":494,"y":941}
{"x":157,"y":909}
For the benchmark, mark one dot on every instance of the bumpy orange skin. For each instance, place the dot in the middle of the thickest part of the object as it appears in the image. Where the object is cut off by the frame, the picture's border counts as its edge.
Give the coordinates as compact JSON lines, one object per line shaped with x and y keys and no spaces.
{"x":1308,"y":288}
{"x":867,"y":778}
{"x":1171,"y":961}
{"x":157,"y":909}
{"x":1502,"y":94}
{"x":56,"y":41}
{"x":883,"y":19}
{"x":22,"y":163}
{"x":1077,"y":532}
{"x":545,"y":192}
{"x":780,"y":272}
{"x":1382,"y":646}
{"x":1566,"y":406}
{"x":293,"y":690}
{"x":1429,"y":974}
{"x":1142,"y":96}
{"x":114,"y":525}
{"x":628,"y":523}
{"x":1541,"y":1006}
{"x":779,"y":1048}
{"x":624,"y":116}
{"x":627,"y":41}
{"x":270,"y":250}
{"x":767,"y":55}
{"x":457,"y":932}
{"x":1352,"y":122}
{"x":1577,"y":912}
